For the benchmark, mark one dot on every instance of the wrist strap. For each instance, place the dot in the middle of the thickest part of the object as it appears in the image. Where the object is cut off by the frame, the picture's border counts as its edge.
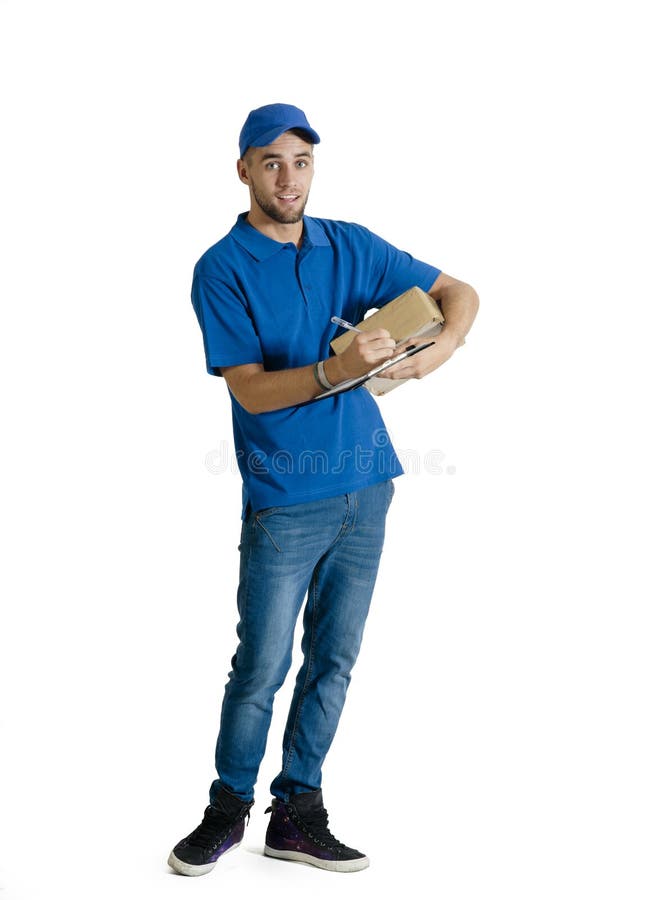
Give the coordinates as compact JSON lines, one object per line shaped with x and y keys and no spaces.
{"x":321,"y":377}
{"x":315,"y":370}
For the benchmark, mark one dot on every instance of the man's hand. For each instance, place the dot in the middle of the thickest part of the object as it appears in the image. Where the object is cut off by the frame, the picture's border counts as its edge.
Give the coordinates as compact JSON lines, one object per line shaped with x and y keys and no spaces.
{"x":364,"y":352}
{"x":425,"y":361}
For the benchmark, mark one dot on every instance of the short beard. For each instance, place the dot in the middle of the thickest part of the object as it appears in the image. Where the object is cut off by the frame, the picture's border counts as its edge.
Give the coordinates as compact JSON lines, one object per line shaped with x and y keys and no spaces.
{"x":290,"y":217}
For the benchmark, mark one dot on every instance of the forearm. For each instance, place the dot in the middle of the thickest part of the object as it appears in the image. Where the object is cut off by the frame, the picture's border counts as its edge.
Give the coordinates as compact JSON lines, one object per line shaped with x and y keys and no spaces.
{"x":259,"y":391}
{"x":459,"y":303}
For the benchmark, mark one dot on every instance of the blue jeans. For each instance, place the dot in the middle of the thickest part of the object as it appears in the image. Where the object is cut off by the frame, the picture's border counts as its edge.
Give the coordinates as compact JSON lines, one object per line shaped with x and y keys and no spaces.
{"x":329,"y":551}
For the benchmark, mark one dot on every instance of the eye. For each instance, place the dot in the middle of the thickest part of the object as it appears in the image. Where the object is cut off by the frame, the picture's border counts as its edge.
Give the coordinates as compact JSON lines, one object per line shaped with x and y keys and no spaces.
{"x":302,"y":163}
{"x":272,"y":165}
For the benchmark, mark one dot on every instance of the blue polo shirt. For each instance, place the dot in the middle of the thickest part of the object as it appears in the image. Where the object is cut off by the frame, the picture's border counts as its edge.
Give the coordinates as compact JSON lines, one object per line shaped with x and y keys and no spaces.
{"x":261,"y":301}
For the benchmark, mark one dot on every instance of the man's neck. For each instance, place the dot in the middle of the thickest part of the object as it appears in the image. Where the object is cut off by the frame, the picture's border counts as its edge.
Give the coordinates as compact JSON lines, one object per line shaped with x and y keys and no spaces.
{"x":276,"y":231}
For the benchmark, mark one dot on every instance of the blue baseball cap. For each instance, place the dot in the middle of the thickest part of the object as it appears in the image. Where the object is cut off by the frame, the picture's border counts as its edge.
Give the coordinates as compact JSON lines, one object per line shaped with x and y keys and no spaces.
{"x":266,"y":124}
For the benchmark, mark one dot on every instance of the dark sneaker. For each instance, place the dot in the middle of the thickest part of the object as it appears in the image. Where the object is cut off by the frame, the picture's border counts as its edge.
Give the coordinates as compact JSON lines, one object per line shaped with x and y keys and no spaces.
{"x":221,"y":830}
{"x":298,"y":830}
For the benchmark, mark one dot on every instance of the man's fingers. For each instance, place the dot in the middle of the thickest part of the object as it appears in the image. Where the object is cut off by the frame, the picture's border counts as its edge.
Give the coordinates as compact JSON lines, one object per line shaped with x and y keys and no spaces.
{"x":377,"y":336}
{"x":375,"y":345}
{"x":378,"y":354}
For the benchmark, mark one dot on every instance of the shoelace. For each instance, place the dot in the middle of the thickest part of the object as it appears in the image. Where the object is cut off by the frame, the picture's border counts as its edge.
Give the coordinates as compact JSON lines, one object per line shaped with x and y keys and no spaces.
{"x":316,"y":826}
{"x":213,"y":826}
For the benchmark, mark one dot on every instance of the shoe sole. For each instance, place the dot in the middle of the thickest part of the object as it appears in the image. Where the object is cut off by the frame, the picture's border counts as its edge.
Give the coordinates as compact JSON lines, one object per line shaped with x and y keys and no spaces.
{"x":184,"y":868}
{"x":330,"y":865}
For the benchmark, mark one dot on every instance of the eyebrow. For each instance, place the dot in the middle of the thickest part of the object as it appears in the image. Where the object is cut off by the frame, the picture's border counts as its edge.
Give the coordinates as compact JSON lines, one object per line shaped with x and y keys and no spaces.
{"x":281,"y":155}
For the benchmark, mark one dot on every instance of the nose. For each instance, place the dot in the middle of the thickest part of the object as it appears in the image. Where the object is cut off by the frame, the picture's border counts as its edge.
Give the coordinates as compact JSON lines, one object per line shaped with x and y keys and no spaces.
{"x":287,"y":174}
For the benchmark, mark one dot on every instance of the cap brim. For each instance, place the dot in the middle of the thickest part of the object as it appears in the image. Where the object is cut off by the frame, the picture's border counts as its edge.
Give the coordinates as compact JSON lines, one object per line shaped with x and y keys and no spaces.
{"x":273,"y":133}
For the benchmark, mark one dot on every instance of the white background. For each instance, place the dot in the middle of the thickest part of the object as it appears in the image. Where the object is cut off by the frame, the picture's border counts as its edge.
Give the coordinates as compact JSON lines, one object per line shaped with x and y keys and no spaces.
{"x":501,"y":735}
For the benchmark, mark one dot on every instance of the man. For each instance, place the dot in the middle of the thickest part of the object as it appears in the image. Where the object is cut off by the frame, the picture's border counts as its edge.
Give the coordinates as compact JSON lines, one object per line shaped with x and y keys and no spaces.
{"x":317,"y":476}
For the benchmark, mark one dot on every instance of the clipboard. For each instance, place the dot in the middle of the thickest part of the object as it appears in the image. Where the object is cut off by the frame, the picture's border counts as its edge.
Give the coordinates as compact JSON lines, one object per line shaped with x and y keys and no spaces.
{"x":353,"y":383}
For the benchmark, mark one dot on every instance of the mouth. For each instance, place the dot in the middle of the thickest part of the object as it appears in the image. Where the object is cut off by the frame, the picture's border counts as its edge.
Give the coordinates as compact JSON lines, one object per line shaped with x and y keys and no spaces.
{"x":288,"y":198}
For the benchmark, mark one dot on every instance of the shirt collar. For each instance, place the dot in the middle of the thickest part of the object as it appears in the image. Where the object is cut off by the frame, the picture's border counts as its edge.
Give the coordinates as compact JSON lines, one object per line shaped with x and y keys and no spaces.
{"x":262,"y":247}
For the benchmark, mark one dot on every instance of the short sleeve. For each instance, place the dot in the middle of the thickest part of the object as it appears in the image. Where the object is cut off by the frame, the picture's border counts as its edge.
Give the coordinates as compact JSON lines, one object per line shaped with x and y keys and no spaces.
{"x":228,"y":331}
{"x":397,"y":271}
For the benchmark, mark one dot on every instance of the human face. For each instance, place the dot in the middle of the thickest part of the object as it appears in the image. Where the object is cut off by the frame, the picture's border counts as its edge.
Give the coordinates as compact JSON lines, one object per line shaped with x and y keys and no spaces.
{"x":279,"y":177}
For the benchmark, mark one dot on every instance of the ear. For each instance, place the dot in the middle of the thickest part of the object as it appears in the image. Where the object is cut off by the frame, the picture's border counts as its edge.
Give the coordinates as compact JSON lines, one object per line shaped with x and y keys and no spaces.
{"x":241,"y":168}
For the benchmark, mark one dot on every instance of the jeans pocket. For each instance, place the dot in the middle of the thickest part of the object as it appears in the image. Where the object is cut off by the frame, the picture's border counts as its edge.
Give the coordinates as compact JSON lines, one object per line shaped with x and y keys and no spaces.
{"x":259,"y":523}
{"x":268,"y":511}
